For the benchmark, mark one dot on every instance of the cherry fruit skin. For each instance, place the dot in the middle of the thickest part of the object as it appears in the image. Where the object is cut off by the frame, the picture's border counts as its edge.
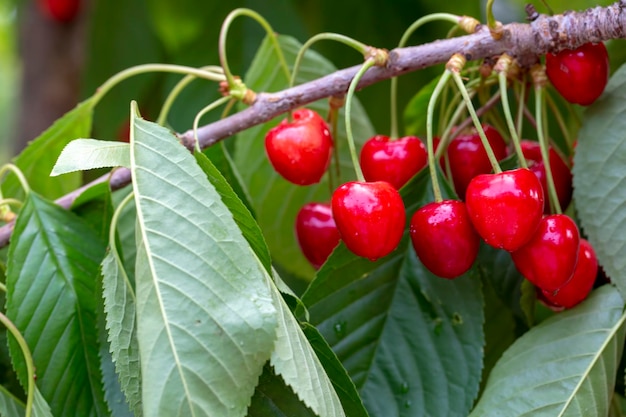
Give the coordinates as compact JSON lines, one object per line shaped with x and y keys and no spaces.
{"x":370,"y":217}
{"x":505,"y":208}
{"x":62,"y":11}
{"x":468,"y":157}
{"x":444,"y":239}
{"x":394,"y":161}
{"x":549,"y":258}
{"x":579,"y":75}
{"x":316,"y":232}
{"x":561,"y":174}
{"x":300,"y":150}
{"x":579,"y":286}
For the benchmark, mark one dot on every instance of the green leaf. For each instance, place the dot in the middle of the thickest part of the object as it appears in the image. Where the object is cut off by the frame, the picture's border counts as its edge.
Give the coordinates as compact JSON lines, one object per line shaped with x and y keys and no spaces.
{"x":52,"y":278}
{"x":37,"y":160}
{"x":276,"y":202}
{"x":599,"y":175}
{"x":415,"y":111}
{"x":206,"y":323}
{"x":9,"y":405}
{"x":294,"y":359}
{"x":565,"y":366}
{"x":120,"y":309}
{"x":40,"y":406}
{"x":402,"y":333}
{"x":95,"y":207}
{"x":84,"y":154}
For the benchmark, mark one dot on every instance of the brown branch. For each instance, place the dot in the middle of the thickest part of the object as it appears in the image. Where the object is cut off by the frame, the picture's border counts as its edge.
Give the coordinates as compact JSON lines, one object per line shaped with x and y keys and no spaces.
{"x":525,"y":42}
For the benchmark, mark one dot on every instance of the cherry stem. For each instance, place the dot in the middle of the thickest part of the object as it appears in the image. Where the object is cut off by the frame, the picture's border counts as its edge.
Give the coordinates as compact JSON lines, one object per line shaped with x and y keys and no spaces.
{"x":232,"y":83}
{"x":509,"y":120}
{"x":447,"y":17}
{"x":561,"y":122}
{"x":28,"y":359}
{"x":520,"y":110}
{"x":432,"y":168}
{"x":370,"y":62}
{"x":178,"y":88}
{"x":6,"y":168}
{"x":201,"y":113}
{"x":492,"y":23}
{"x":545,"y":153}
{"x":113,"y":244}
{"x":470,"y":108}
{"x":354,"y":44}
{"x":334,"y":177}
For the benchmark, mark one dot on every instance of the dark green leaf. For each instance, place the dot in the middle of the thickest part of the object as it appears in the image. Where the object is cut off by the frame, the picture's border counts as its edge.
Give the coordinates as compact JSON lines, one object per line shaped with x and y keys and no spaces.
{"x":415,"y":111}
{"x":94,"y":205}
{"x":52,"y":273}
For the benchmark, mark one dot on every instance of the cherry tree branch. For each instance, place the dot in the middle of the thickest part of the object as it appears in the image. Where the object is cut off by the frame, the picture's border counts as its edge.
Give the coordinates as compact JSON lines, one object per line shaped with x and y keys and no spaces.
{"x":526,"y":42}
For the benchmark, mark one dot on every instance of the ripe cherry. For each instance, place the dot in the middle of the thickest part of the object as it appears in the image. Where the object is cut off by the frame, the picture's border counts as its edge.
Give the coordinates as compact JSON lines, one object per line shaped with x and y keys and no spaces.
{"x":549,"y":258}
{"x":505,"y":208}
{"x":316,"y":232}
{"x":444,"y":239}
{"x":370,"y":217}
{"x":468,"y":157}
{"x":300,"y":150}
{"x":579,"y":286}
{"x":62,"y":11}
{"x":560,"y":173}
{"x":579,"y":75}
{"x":394,"y":161}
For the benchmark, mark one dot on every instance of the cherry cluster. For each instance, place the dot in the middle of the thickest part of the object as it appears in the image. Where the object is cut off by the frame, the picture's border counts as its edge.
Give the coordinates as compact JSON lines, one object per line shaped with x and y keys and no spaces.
{"x":507,"y":210}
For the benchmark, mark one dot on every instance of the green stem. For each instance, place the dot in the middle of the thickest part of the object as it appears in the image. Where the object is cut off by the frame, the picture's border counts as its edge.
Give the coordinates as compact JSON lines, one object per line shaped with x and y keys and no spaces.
{"x":18,"y":173}
{"x":509,"y":120}
{"x":201,"y":113}
{"x":334,"y":177}
{"x":429,"y":134}
{"x":491,"y":20}
{"x":270,"y":32}
{"x":3,"y":288}
{"x":520,"y":110}
{"x":113,"y":244}
{"x":352,"y":43}
{"x":146,"y":68}
{"x":355,"y":81}
{"x":178,"y":88}
{"x":545,"y":153}
{"x":28,"y":358}
{"x":562,"y":126}
{"x":470,"y":107}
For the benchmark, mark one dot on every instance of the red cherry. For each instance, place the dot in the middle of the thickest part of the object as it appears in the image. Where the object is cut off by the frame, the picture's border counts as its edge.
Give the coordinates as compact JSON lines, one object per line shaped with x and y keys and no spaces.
{"x":505,"y":208}
{"x":579,"y":286}
{"x":62,"y":11}
{"x":549,"y":258}
{"x":579,"y":75}
{"x":370,"y":217}
{"x":392,"y":161}
{"x":300,"y":150}
{"x":316,"y":232}
{"x":560,"y":173}
{"x":468,"y":157}
{"x":444,"y":239}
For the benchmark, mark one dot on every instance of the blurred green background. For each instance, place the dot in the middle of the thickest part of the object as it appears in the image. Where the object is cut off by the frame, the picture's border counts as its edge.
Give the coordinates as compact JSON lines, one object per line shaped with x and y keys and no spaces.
{"x":116,"y":34}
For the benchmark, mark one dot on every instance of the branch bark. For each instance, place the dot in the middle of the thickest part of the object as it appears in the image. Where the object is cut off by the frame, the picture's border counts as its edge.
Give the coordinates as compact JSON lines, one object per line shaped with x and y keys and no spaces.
{"x":525,"y":42}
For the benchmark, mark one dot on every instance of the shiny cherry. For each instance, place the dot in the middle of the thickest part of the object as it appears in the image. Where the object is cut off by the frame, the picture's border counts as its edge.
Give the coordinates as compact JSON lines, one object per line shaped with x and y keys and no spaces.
{"x":394,"y":161}
{"x":579,"y":75}
{"x":370,"y":217}
{"x":468,"y":157}
{"x":316,"y":232}
{"x":62,"y":11}
{"x":549,"y":258}
{"x":560,"y":173}
{"x":579,"y":286}
{"x":444,"y":239}
{"x":505,"y":208}
{"x":300,"y":150}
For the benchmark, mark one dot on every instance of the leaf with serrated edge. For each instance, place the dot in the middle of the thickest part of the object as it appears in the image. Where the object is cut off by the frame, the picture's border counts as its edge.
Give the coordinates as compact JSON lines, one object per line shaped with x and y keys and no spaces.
{"x":294,"y":360}
{"x":52,"y":271}
{"x":206,"y":323}
{"x":275,"y":200}
{"x":9,"y":405}
{"x":565,"y":366}
{"x":40,"y":406}
{"x":84,"y":154}
{"x":119,"y":306}
{"x":599,"y":177}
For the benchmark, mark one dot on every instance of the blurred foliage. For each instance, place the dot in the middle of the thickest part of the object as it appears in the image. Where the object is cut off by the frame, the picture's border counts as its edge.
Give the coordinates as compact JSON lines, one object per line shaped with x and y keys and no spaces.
{"x":8,"y":75}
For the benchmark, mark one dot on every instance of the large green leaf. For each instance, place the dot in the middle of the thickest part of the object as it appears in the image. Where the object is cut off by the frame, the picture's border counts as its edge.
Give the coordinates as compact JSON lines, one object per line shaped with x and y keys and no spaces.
{"x":276,"y":201}
{"x":51,"y":297}
{"x":37,"y":160}
{"x":206,"y":323}
{"x":565,"y":366}
{"x":412,"y":342}
{"x":599,"y":178}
